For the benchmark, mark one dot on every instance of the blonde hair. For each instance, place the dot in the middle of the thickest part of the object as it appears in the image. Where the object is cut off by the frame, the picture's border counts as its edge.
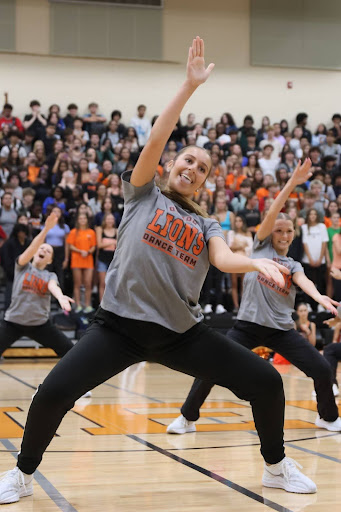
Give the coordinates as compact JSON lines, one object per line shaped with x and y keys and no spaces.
{"x":184,"y":202}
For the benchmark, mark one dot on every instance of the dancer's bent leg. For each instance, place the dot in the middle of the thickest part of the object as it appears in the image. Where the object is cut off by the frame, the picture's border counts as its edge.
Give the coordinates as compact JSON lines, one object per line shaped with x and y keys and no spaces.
{"x":206,"y":354}
{"x":100,"y":354}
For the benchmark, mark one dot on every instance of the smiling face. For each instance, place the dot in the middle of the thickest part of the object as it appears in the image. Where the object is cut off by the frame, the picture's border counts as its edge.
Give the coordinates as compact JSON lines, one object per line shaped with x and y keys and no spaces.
{"x":189,"y":170}
{"x":282,"y":236}
{"x":43,"y":256}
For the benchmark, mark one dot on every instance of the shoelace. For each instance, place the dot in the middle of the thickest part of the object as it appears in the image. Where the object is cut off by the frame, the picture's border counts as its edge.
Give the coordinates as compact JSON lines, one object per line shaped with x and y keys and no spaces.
{"x":15,"y":475}
{"x":290,"y":467}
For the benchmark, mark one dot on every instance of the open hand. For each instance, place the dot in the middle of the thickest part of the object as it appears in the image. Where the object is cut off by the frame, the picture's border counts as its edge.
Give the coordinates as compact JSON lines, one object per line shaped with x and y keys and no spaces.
{"x":51,"y":221}
{"x":65,"y":303}
{"x":332,"y":322}
{"x":328,"y":303}
{"x":272,"y":270}
{"x":196,"y":72}
{"x":302,"y":173}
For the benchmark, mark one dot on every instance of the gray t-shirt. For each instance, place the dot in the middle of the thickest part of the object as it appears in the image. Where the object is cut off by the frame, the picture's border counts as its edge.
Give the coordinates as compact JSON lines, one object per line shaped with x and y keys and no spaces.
{"x":264,"y":302}
{"x":161,"y":260}
{"x":31,"y":299}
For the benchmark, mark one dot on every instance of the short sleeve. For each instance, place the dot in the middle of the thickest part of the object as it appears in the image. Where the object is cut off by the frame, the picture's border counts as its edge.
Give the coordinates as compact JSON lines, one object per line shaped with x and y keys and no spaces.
{"x":212,"y":228}
{"x":132,"y":193}
{"x":53,"y":277}
{"x":296,"y":267}
{"x":93,"y":238}
{"x":71,"y":237}
{"x":260,"y":244}
{"x":66,"y":229}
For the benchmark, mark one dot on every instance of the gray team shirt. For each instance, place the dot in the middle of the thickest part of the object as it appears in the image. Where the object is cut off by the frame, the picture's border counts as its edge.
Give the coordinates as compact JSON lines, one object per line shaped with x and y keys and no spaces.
{"x":31,"y":299}
{"x":161,"y":260}
{"x":264,"y":302}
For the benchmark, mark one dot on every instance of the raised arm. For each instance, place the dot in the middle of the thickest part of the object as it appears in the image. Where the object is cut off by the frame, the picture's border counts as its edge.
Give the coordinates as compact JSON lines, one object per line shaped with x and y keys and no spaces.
{"x":300,"y":175}
{"x":28,"y":254}
{"x":197,"y":74}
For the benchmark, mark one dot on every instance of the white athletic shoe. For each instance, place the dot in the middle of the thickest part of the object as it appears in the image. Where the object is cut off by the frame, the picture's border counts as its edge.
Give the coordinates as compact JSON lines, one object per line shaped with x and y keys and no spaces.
{"x":332,"y":426}
{"x":208,"y":309}
{"x":335,"y":391}
{"x":88,"y":394}
{"x":181,"y":426}
{"x":285,"y":475}
{"x":220,"y":309}
{"x":14,"y":485}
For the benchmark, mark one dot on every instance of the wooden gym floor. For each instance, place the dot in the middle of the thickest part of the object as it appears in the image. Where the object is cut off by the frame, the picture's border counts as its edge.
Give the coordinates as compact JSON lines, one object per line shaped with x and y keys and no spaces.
{"x":112,"y":452}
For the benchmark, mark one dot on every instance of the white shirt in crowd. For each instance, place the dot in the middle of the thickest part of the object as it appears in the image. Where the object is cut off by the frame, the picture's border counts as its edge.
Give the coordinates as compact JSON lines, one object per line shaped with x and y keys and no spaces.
{"x":314,"y":239}
{"x":143,"y":128}
{"x":269,"y":166}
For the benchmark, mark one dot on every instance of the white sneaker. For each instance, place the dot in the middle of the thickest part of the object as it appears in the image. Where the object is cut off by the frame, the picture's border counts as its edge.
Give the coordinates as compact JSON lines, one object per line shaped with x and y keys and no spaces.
{"x":88,"y":394}
{"x":181,"y":426}
{"x":13,"y":486}
{"x":208,"y":309}
{"x":332,"y":426}
{"x":220,"y":309}
{"x":285,"y":475}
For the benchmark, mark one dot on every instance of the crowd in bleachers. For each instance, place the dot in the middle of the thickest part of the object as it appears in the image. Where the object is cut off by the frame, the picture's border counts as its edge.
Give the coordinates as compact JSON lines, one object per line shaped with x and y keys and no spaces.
{"x":71,"y":164}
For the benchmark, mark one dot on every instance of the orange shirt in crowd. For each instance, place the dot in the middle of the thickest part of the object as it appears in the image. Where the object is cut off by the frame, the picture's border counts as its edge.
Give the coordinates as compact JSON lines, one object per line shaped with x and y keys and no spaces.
{"x":230,"y":180}
{"x":328,"y":222}
{"x":262,"y":193}
{"x":83,"y":239}
{"x":33,"y":173}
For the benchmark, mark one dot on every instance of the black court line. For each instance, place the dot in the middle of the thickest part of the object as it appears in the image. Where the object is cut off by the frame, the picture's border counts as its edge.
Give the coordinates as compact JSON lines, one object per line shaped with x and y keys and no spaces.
{"x":300,"y":448}
{"x":319,"y":454}
{"x":19,"y":380}
{"x":214,"y":476}
{"x":46,"y":485}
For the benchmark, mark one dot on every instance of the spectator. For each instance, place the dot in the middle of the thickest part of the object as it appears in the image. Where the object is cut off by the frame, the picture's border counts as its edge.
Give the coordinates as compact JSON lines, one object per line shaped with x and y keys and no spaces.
{"x":271,"y":139}
{"x":320,"y":135}
{"x":82,"y":171}
{"x":79,"y":132}
{"x":14,"y":142}
{"x":71,"y":115}
{"x":106,"y":243}
{"x":35,"y":121}
{"x":239,"y":240}
{"x":90,"y":186}
{"x":228,"y":122}
{"x":56,"y":199}
{"x":94,"y":122}
{"x":238,"y":203}
{"x":251,"y":213}
{"x":111,"y":134}
{"x":12,"y":248}
{"x":223,"y":215}
{"x":315,"y":257}
{"x":337,"y":127}
{"x":201,"y":139}
{"x":124,"y":163}
{"x":49,"y":138}
{"x":142,"y":125}
{"x":95,"y":203}
{"x":116,"y":115}
{"x":267,"y":163}
{"x":82,"y":242}
{"x":8,"y":215}
{"x":56,"y":238}
{"x":330,"y":148}
{"x":9,"y":120}
{"x":303,"y":325}
{"x":261,"y":133}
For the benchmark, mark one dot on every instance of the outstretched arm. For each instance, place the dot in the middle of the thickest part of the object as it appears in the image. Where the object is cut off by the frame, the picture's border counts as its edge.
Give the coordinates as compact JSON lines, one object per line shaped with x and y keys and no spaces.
{"x":310,"y":289}
{"x":221,"y":256}
{"x":300,"y":175}
{"x":28,"y":254}
{"x":197,"y":74}
{"x":64,"y":300}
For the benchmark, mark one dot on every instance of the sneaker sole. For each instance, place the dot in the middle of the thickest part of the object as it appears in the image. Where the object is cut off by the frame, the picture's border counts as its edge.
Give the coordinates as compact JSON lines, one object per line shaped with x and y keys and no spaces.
{"x":15,"y":498}
{"x":286,"y":488}
{"x":330,"y":429}
{"x":182,"y":431}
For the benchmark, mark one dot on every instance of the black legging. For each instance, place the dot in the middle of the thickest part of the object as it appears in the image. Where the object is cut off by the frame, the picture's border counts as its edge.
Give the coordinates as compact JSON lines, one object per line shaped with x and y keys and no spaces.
{"x":291,"y":345}
{"x":332,"y":353}
{"x":113,"y":343}
{"x":47,"y":335}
